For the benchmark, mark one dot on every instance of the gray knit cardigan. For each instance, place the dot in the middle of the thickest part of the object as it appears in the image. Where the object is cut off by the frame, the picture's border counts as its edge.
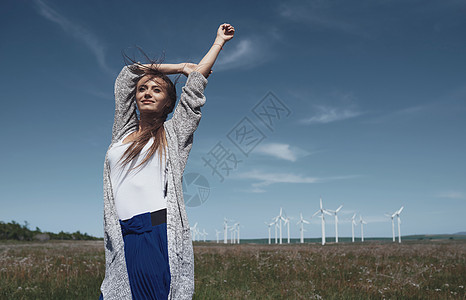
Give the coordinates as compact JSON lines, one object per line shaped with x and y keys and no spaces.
{"x":179,"y":131}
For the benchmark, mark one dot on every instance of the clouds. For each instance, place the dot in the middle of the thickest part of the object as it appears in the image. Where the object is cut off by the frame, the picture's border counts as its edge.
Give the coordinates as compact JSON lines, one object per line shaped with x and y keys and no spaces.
{"x":244,"y":53}
{"x":281,"y":151}
{"x":267,"y":178}
{"x":320,"y":14}
{"x":77,"y":31}
{"x":326,"y":114}
{"x":452,"y":195}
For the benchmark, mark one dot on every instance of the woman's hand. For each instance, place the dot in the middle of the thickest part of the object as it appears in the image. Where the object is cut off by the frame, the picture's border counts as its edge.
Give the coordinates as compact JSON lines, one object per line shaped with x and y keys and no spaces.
{"x":225,"y":32}
{"x":189,"y":67}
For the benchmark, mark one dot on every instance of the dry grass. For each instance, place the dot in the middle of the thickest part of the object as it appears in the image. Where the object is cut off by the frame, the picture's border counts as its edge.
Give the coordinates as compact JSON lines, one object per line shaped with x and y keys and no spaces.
{"x":412,"y":270}
{"x":344,"y":271}
{"x":52,"y":270}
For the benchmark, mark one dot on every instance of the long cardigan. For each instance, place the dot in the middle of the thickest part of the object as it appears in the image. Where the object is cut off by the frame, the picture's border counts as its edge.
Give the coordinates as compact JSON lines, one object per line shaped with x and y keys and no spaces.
{"x":179,"y":132}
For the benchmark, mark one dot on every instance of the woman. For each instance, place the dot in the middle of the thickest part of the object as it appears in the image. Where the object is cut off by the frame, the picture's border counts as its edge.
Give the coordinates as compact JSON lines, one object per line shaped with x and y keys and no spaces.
{"x":148,"y":247}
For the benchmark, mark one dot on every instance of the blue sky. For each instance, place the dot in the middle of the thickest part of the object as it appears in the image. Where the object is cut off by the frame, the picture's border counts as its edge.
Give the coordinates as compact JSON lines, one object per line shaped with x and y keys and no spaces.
{"x":373,"y":99}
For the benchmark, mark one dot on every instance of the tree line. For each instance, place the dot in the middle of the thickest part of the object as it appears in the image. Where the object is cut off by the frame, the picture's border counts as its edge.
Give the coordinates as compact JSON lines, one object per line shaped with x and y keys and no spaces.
{"x":16,"y":231}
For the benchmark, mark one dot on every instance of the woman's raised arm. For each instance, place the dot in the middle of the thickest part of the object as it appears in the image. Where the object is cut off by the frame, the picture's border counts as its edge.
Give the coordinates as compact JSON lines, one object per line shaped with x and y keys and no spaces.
{"x":224,"y":33}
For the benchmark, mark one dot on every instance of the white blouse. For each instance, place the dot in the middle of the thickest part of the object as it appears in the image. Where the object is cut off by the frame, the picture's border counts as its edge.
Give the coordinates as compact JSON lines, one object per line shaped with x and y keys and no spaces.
{"x":142,"y":189}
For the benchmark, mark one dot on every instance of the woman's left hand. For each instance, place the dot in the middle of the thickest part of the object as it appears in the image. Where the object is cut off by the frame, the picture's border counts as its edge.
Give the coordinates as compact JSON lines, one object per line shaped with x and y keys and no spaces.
{"x":189,"y":67}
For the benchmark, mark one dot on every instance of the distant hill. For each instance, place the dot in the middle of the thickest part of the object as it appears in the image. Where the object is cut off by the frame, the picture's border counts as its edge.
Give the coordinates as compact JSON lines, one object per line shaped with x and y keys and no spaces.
{"x":460,"y":233}
{"x":16,"y":231}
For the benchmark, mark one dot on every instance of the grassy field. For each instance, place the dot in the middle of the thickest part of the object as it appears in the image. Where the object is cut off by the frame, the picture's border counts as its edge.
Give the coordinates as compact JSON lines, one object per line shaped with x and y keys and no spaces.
{"x":373,"y":270}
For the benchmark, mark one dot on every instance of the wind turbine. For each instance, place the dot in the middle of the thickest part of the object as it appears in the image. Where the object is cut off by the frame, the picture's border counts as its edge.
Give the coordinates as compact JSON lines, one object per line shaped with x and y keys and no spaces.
{"x":193,"y":232}
{"x":287,"y":222}
{"x":225,"y":230}
{"x":393,"y":224}
{"x":301,"y":229}
{"x":336,"y":221}
{"x":269,"y":225}
{"x":237,"y":231}
{"x":276,"y":226}
{"x":322,"y":211}
{"x":217,"y":233}
{"x":232,"y":235}
{"x":204,"y":234}
{"x":397,"y":213}
{"x":353,"y":223}
{"x":362,"y":227}
{"x":279,"y":219}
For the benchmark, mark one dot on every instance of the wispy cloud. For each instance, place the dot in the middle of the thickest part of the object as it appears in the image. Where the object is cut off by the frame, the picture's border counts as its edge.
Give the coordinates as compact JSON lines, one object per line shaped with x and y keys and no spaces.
{"x":77,"y":31}
{"x":245,"y":53}
{"x":327,"y":114}
{"x":281,"y":151}
{"x":451,"y":195}
{"x":319,"y":14}
{"x":403,"y":113}
{"x":268,"y":178}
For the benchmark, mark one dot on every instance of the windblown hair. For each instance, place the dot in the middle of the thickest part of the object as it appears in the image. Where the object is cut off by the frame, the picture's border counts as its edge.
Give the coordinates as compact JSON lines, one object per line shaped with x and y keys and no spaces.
{"x":156,"y":129}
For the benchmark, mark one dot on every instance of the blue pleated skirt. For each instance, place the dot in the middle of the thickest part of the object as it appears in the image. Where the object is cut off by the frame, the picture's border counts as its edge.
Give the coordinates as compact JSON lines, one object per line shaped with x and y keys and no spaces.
{"x":146,"y":254}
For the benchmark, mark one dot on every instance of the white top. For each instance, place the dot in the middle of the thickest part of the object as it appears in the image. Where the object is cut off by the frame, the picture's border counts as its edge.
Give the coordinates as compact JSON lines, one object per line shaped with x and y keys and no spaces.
{"x":142,"y":189}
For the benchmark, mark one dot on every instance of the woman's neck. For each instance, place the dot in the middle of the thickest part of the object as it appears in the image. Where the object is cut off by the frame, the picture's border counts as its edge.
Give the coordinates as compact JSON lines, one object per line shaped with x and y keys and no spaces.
{"x":147,"y":121}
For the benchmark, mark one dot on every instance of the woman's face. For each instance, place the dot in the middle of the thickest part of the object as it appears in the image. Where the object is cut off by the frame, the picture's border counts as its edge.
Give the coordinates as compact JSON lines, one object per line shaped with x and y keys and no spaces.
{"x":151,"y":95}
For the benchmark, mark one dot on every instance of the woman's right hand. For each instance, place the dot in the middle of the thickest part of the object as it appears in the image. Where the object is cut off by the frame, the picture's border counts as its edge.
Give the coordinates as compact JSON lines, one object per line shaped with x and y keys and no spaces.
{"x":225,"y":32}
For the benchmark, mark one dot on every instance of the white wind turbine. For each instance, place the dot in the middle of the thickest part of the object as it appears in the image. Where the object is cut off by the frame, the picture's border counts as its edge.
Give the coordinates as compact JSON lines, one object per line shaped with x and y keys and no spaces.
{"x":322,"y":211}
{"x":301,"y":229}
{"x":392,"y":216}
{"x":204,"y":234}
{"x":276,"y":229}
{"x":269,"y":225}
{"x":353,"y":223}
{"x":237,"y":232}
{"x":287,"y":223}
{"x":225,"y":230}
{"x":217,"y":233}
{"x":336,"y":221}
{"x":279,"y":219}
{"x":362,"y":227}
{"x":232,"y":235}
{"x":193,"y":232}
{"x":397,"y":213}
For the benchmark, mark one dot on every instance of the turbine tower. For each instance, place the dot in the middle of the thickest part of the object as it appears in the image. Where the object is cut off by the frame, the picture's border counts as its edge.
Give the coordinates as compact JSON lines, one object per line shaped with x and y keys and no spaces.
{"x":269,"y":225}
{"x":225,"y":230}
{"x":353,"y":223}
{"x":336,"y":221}
{"x":217,"y":233}
{"x":237,"y":231}
{"x":399,"y":223}
{"x":204,"y":234}
{"x":232,"y":235}
{"x":287,"y":223}
{"x":301,"y":229}
{"x":362,"y":227}
{"x":193,"y":232}
{"x":279,"y":219}
{"x":393,"y":224}
{"x":322,"y":211}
